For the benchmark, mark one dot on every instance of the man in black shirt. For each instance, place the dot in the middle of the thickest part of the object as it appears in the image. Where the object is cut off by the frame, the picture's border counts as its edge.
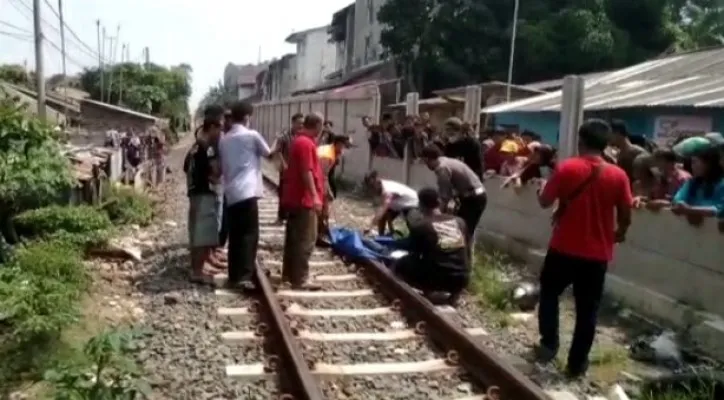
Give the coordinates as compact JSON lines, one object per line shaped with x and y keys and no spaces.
{"x":202,"y":174}
{"x":463,"y":146}
{"x":438,"y":262}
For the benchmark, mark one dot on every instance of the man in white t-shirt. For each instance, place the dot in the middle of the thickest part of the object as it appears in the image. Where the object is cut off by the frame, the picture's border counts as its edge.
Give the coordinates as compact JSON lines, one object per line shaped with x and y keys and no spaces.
{"x":397,"y":199}
{"x":241,"y":150}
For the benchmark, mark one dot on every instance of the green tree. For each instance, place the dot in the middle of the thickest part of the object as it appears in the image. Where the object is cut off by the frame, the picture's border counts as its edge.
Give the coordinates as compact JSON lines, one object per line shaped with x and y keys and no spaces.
{"x":151,"y":89}
{"x":447,"y":43}
{"x":219,"y":94}
{"x":33,"y":171}
{"x":17,"y":75}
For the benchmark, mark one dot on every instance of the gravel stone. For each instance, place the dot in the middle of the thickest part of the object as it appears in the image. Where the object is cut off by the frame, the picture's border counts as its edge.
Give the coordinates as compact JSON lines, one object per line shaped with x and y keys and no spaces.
{"x":416,"y":387}
{"x":370,"y":352}
{"x":380,"y":323}
{"x":182,"y":353}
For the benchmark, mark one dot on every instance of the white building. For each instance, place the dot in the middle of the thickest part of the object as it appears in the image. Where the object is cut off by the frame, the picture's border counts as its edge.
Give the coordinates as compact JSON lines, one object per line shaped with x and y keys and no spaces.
{"x":367,"y":30}
{"x":316,"y":57}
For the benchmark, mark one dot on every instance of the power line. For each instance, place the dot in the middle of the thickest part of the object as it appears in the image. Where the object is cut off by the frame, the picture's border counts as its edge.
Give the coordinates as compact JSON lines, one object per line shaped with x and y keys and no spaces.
{"x":70,"y":30}
{"x":29,"y":39}
{"x":28,"y":9}
{"x":15,"y":35}
{"x":9,"y":25}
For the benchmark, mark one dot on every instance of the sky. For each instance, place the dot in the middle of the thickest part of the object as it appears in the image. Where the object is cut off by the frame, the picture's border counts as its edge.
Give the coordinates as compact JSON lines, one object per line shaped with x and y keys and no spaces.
{"x":205,"y":34}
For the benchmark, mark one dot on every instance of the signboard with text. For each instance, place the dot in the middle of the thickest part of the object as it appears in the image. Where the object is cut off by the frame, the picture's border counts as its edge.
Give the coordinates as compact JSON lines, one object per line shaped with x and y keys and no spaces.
{"x":669,"y":128}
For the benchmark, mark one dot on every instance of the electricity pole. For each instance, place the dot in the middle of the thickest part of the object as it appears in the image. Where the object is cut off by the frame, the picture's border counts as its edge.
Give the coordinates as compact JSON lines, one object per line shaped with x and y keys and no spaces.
{"x":103,"y":64}
{"x":113,"y":54}
{"x":120,"y":74}
{"x":62,"y":50}
{"x":512,"y":49}
{"x":148,"y":57}
{"x":39,"y":70}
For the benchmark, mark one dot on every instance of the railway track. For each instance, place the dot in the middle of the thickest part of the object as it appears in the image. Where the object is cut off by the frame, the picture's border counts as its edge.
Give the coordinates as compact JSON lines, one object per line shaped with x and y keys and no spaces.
{"x":365,"y":335}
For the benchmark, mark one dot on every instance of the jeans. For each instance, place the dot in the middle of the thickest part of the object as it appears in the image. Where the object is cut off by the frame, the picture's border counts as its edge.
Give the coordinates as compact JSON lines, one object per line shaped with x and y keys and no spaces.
{"x":243,"y":228}
{"x":587,"y":277}
{"x":299,"y":242}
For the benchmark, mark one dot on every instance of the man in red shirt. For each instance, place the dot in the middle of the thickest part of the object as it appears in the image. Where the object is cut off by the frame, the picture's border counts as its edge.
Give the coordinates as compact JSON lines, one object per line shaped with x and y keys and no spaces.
{"x":302,"y":197}
{"x":591,"y":195}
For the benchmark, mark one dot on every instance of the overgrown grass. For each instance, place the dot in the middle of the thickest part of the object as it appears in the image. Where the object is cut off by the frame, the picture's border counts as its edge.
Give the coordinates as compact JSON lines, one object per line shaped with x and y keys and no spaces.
{"x":126,"y":206}
{"x":43,"y":284}
{"x":488,"y":280}
{"x":699,"y":388}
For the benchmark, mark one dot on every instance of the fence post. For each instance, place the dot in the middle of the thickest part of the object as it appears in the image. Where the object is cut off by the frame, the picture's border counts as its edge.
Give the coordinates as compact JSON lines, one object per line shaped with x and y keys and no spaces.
{"x":412,"y":108}
{"x":571,"y":115}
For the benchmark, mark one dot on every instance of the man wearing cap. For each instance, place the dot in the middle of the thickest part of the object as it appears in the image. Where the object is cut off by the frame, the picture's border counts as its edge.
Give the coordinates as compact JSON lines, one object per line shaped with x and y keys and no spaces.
{"x":463,"y":146}
{"x":329,"y":155}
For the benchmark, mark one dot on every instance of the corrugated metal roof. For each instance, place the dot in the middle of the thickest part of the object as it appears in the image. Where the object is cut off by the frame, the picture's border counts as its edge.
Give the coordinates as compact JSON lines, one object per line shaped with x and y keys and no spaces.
{"x":693,"y":79}
{"x":121,"y":109}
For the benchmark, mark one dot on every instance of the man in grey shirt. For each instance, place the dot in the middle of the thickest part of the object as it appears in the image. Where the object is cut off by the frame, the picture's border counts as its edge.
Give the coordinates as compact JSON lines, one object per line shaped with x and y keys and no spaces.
{"x":456,"y":181}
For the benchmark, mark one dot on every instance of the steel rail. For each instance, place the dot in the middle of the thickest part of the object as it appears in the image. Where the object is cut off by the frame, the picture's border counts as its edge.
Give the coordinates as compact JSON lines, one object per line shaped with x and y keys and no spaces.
{"x":501,"y":380}
{"x":499,"y":377}
{"x":295,"y":375}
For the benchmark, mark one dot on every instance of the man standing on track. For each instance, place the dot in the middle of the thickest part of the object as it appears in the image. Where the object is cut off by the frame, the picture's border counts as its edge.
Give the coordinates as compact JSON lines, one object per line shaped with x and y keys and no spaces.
{"x":594,"y":212}
{"x":283,"y":143}
{"x":241,"y":151}
{"x":302,"y":197}
{"x":329,"y":155}
{"x":456,"y":181}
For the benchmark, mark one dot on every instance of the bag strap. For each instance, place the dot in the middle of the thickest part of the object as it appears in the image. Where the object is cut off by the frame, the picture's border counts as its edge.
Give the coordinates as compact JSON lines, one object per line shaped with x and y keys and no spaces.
{"x":564,"y":202}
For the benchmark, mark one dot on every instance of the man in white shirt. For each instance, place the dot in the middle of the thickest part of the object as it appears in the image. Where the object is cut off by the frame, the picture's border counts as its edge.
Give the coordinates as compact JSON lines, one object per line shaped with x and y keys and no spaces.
{"x":397,"y":199}
{"x":241,"y":151}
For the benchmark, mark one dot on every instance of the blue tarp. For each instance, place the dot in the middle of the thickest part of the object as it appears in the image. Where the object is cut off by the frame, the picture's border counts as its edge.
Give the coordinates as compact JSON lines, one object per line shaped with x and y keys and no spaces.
{"x":352,"y":244}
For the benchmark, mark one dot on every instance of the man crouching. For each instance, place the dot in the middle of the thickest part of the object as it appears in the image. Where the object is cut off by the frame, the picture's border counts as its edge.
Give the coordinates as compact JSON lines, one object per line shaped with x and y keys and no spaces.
{"x":438,"y":261}
{"x":202,"y":176}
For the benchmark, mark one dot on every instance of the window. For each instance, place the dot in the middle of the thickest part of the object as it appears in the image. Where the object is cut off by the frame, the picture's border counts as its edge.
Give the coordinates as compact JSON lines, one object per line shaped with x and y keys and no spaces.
{"x":371,"y":11}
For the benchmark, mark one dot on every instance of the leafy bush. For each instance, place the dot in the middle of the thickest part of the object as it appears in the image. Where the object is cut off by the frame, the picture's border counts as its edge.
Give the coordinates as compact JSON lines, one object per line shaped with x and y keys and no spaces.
{"x":54,"y":219}
{"x":110,"y":373}
{"x":40,"y":287}
{"x":34,"y":170}
{"x":126,"y":206}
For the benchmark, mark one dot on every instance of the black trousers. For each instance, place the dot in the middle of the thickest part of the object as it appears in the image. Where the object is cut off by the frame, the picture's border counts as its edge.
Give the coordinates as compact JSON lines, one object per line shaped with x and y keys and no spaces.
{"x":224,"y":226}
{"x":587,"y":277}
{"x":332,"y":181}
{"x":282,"y":214}
{"x":243,"y":225}
{"x":428,"y":278}
{"x":470,"y":210}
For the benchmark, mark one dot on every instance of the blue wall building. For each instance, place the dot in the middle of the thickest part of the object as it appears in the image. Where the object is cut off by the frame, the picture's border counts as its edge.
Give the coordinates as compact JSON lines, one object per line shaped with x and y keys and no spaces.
{"x":640,"y":121}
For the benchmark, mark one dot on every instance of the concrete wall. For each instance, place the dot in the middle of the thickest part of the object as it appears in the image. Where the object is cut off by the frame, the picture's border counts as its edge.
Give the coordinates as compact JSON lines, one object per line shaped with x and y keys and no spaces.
{"x":246,"y":91}
{"x":316,"y":58}
{"x":344,"y":109}
{"x":639,"y":121}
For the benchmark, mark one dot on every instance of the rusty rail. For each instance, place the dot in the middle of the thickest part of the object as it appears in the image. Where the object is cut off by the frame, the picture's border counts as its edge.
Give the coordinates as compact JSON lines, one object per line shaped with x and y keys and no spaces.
{"x":501,"y":380}
{"x":295,"y":375}
{"x":487,"y":368}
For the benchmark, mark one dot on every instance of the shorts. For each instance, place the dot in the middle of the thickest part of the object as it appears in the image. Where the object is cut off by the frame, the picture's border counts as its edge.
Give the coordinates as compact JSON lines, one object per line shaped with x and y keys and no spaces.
{"x":203,"y":221}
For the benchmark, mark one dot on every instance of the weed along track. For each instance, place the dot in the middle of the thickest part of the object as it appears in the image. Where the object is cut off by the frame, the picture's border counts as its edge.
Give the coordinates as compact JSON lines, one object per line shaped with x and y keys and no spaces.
{"x":365,"y":335}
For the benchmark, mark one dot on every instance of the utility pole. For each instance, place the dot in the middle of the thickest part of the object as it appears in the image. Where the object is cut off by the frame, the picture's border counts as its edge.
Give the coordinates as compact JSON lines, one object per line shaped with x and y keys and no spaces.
{"x":113,"y":54}
{"x":120,"y":74}
{"x":39,"y":70}
{"x":103,"y":63}
{"x":511,"y":60}
{"x":148,"y":57}
{"x":62,"y":50}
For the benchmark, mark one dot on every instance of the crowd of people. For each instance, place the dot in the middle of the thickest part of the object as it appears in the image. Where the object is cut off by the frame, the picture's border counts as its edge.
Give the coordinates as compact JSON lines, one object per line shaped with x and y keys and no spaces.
{"x":137,"y":147}
{"x":594,"y":193}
